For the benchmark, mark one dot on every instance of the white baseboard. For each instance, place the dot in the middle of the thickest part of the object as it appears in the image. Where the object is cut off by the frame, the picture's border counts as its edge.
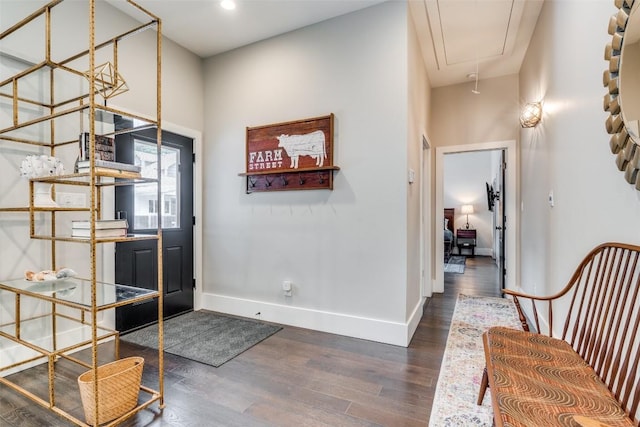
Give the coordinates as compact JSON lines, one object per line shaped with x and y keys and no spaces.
{"x":484,"y":252}
{"x":384,"y":331}
{"x":414,"y":320}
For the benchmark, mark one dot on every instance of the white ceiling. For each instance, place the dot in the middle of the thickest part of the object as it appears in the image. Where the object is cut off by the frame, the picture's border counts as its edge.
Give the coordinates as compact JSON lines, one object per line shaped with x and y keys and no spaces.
{"x":454,"y":34}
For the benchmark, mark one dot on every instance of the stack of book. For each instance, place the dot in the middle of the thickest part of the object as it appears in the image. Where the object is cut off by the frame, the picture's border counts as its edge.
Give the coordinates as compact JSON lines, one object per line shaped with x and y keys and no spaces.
{"x":106,"y":166}
{"x":105,"y":158}
{"x":105,"y":147}
{"x":104,"y":228}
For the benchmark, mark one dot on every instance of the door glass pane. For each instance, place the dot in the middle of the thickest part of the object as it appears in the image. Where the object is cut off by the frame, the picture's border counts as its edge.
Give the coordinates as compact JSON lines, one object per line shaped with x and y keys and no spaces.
{"x":146,"y":195}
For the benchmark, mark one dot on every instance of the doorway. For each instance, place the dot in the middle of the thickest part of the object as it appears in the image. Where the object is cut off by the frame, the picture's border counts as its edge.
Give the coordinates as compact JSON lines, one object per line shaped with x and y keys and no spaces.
{"x":509,"y":255}
{"x":136,"y":262}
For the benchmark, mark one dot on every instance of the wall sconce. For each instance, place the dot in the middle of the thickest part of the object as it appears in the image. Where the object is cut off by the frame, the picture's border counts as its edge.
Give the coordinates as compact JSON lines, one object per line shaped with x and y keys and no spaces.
{"x":467,"y":209}
{"x":531,"y":114}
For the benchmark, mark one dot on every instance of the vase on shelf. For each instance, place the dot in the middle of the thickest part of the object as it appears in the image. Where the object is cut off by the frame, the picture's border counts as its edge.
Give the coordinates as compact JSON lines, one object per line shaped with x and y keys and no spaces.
{"x":42,"y":195}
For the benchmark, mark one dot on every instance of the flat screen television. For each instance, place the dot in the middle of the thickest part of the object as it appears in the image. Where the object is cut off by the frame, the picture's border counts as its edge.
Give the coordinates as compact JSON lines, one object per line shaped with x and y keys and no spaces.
{"x":490,"y":196}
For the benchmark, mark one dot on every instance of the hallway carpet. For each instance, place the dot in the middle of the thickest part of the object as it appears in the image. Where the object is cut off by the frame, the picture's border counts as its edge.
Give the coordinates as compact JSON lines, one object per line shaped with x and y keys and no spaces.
{"x":463,"y":362}
{"x":455,"y":264}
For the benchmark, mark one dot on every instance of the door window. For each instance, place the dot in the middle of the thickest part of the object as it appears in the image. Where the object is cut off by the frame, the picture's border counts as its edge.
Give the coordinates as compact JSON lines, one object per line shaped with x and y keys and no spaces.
{"x":146,"y":204}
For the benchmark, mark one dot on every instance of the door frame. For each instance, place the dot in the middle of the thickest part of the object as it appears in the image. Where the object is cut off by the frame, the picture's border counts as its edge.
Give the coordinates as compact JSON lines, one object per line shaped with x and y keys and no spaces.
{"x":512,"y":213}
{"x":108,"y":205}
{"x":426,"y":285}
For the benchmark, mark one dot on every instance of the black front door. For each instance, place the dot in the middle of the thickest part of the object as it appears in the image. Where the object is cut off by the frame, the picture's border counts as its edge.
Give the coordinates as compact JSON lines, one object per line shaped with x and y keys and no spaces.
{"x":136,"y":262}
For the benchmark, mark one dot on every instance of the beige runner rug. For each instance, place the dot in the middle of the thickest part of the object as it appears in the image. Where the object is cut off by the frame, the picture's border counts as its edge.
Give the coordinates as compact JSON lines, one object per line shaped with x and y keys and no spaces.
{"x":454,"y":403}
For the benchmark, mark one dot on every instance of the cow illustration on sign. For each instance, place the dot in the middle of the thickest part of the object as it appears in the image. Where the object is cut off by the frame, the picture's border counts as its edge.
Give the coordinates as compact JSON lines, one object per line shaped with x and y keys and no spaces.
{"x":309,"y":144}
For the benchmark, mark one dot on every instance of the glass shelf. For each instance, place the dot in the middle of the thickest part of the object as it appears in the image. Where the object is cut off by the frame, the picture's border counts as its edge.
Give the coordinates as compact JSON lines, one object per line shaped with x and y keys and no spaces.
{"x":39,"y":331}
{"x":127,"y":238}
{"x":121,"y":178}
{"x":76,"y":292}
{"x":36,"y":130}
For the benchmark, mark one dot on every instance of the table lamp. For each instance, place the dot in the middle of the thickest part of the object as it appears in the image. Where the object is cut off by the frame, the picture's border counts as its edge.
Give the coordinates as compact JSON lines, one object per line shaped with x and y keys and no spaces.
{"x":467,"y":209}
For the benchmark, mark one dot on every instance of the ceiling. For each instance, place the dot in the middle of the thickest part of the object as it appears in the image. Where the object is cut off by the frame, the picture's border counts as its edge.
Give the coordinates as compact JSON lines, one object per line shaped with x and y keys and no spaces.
{"x":455,"y":35}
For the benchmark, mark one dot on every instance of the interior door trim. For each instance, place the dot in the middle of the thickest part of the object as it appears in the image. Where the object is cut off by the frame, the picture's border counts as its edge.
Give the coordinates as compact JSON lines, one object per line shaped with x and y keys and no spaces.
{"x":512,"y":213}
{"x":108,"y":256}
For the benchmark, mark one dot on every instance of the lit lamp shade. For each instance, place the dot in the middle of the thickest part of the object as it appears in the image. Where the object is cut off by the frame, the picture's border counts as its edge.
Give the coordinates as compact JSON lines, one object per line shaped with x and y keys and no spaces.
{"x":531,"y":115}
{"x":466,"y":209}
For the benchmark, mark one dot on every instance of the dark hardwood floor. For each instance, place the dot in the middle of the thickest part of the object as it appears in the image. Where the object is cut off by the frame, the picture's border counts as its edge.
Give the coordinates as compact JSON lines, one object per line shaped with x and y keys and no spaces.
{"x":296,"y":377}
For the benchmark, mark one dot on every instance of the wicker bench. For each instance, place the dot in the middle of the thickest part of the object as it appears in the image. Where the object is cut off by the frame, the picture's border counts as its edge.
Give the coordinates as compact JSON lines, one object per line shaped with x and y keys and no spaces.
{"x":591,"y":375}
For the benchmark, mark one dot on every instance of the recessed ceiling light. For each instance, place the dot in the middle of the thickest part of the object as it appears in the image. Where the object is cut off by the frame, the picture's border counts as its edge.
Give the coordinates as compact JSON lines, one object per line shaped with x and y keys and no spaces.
{"x":228,"y":4}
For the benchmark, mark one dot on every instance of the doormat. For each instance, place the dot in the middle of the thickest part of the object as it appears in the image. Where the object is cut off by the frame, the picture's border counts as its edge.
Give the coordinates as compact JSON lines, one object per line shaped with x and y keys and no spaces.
{"x":204,"y":336}
{"x":454,"y":402}
{"x":455,"y":264}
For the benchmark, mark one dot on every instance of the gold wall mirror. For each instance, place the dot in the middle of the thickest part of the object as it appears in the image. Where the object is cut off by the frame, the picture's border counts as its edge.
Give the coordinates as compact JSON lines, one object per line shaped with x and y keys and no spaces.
{"x":622,"y":79}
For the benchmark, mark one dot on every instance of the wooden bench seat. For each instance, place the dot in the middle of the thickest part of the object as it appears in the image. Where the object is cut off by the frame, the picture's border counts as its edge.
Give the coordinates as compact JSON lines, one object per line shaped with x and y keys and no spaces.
{"x":592,"y":370}
{"x":541,"y":381}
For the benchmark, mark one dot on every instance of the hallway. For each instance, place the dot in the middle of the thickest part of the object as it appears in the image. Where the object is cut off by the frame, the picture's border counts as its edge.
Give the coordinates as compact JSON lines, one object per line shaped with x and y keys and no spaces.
{"x":295,"y":377}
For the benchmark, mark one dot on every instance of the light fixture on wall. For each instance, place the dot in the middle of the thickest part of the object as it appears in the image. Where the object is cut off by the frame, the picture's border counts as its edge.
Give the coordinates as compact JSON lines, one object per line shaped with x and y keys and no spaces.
{"x":531,"y":115}
{"x":467,"y":209}
{"x":474,"y":76}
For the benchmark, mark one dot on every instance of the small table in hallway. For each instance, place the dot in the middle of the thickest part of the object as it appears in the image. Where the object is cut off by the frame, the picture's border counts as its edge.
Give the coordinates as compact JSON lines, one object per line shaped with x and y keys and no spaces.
{"x":466,"y":239}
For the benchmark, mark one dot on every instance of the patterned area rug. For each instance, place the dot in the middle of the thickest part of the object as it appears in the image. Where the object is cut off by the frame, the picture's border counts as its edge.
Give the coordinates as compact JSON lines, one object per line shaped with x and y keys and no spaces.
{"x":204,"y":336}
{"x":454,"y":403}
{"x":455,"y":264}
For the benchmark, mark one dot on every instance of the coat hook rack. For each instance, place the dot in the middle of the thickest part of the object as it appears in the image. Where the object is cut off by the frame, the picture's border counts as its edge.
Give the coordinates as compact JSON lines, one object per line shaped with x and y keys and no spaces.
{"x":275,"y":152}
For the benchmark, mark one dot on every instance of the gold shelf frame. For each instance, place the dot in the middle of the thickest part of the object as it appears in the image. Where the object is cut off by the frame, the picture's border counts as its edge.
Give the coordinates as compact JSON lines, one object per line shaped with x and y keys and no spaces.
{"x":86,"y":103}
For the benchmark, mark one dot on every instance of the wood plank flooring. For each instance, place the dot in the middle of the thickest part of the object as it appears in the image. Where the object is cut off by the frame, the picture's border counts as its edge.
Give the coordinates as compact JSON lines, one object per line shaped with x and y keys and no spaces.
{"x":296,"y":377}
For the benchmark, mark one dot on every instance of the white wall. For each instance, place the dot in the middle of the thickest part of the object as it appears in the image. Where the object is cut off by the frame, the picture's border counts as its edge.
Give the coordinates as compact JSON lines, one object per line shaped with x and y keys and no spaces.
{"x":418,"y":231}
{"x":460,"y":117}
{"x":568,"y":152}
{"x":344,"y":250}
{"x":465,"y":175}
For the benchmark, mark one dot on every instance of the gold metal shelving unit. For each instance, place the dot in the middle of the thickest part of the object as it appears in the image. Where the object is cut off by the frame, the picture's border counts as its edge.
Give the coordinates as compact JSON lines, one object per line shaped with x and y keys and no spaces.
{"x":68,"y":97}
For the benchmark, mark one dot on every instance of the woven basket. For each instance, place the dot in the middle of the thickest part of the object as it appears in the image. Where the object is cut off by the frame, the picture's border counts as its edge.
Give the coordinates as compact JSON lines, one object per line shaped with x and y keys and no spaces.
{"x":118,"y":388}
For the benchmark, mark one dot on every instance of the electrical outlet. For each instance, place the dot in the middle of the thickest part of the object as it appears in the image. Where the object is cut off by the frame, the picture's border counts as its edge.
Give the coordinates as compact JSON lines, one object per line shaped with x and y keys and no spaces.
{"x":71,"y":200}
{"x":287,"y":288}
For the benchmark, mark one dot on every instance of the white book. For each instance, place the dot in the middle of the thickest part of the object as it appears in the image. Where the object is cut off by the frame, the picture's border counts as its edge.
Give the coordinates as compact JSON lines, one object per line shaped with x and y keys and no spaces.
{"x":110,"y":165}
{"x":106,"y":232}
{"x":102,"y":224}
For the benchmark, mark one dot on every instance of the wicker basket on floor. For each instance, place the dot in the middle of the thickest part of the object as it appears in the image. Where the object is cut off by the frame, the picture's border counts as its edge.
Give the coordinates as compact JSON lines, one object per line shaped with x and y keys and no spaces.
{"x":118,"y":388}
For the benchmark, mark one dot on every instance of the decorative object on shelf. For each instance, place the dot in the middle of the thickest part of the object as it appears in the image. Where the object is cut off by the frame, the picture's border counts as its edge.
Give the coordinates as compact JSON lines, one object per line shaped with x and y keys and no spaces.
{"x":295,"y":155}
{"x":39,"y":166}
{"x":622,"y":122}
{"x":105,"y":148}
{"x":108,"y":81}
{"x":118,"y":389}
{"x":466,"y":210}
{"x":49,"y":275}
{"x":531,"y":115}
